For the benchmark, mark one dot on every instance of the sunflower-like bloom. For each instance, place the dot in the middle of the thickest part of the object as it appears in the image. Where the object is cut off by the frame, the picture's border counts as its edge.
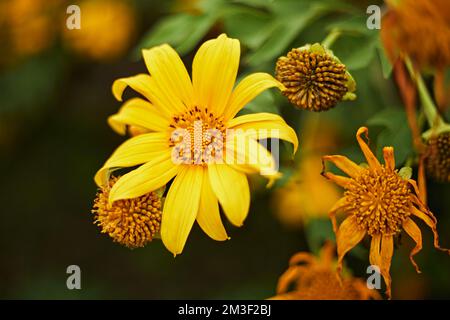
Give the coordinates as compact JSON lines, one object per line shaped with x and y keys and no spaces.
{"x":380,"y":202}
{"x":315,"y":278}
{"x":177,"y":111}
{"x":314,"y":78}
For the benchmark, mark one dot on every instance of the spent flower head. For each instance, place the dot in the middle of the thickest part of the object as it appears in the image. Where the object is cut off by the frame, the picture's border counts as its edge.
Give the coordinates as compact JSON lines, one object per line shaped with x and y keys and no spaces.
{"x":314,"y":78}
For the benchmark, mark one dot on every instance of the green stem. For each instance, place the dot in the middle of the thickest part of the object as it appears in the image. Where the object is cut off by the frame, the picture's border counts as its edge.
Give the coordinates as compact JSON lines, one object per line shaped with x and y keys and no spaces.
{"x":331,"y":38}
{"x":429,"y":108}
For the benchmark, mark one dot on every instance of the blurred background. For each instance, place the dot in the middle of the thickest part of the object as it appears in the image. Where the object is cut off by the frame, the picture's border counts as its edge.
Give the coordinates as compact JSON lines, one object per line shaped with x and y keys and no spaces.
{"x":55,"y":96}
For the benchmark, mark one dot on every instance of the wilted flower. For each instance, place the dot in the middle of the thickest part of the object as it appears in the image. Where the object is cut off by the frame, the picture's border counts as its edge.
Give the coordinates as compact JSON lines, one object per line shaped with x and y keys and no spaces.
{"x":315,"y":278}
{"x":380,"y":202}
{"x":107,"y":29}
{"x":202,"y":111}
{"x":314,"y":78}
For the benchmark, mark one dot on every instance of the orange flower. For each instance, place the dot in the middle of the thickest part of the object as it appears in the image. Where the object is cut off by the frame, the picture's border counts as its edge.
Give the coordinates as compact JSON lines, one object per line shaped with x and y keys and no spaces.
{"x":316,"y":279}
{"x":380,"y":202}
{"x":420,"y":29}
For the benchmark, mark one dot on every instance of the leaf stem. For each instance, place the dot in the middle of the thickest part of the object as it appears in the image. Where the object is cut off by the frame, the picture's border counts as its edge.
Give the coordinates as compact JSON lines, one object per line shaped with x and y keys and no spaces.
{"x":429,"y":108}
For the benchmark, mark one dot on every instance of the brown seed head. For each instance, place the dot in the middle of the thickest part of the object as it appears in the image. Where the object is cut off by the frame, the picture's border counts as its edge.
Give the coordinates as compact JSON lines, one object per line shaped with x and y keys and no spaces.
{"x":131,"y":222}
{"x":313,"y":81}
{"x":438,"y":159}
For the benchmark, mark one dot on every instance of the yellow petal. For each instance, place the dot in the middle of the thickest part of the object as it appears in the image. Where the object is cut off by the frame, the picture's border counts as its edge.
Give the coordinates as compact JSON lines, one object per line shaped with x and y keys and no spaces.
{"x":139,"y":83}
{"x":263,"y":126}
{"x":375,"y":254}
{"x":169,"y":72}
{"x":347,"y":237}
{"x":146,"y":178}
{"x":232,"y":190}
{"x":339,"y":205}
{"x":387,"y":250}
{"x":249,"y":156}
{"x":214,"y":71}
{"x":414,"y":232}
{"x":181,"y":208}
{"x":208,"y":216}
{"x":389,"y":158}
{"x":370,"y":157}
{"x":342,"y":181}
{"x":345,"y":164}
{"x":134,"y":151}
{"x":150,"y":89}
{"x":247,"y":89}
{"x":140,"y":113}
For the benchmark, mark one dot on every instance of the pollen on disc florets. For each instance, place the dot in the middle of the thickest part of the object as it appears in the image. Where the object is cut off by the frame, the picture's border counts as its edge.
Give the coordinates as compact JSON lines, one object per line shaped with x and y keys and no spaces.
{"x":314,"y":81}
{"x":438,"y":157}
{"x":130,"y":222}
{"x":198,"y":136}
{"x":380,"y":200}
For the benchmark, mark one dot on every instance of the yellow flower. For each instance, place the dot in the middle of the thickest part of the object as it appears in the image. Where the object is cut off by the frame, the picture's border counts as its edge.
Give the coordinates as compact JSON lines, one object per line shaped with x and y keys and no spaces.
{"x":177,"y":111}
{"x":107,"y":29}
{"x":380,"y":202}
{"x":315,"y":278}
{"x":28,"y":25}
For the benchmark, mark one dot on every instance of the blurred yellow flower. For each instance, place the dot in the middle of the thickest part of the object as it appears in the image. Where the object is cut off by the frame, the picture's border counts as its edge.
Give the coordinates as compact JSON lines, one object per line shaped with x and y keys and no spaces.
{"x":306,"y":196}
{"x":107,"y":29}
{"x":28,"y":26}
{"x":202,"y":110}
{"x":380,"y":202}
{"x":315,"y":278}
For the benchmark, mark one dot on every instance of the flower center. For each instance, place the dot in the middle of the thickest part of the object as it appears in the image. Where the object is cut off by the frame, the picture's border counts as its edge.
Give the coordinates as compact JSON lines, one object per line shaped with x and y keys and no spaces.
{"x":198,"y":137}
{"x":380,"y":200}
{"x":313,"y":81}
{"x":131,"y":222}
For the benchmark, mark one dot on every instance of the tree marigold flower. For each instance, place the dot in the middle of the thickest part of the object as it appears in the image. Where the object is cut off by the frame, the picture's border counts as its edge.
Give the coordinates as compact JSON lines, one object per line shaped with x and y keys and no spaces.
{"x":131,"y":222}
{"x":190,"y":138}
{"x":380,"y":202}
{"x":314,"y":78}
{"x":438,"y":157}
{"x":315,"y":278}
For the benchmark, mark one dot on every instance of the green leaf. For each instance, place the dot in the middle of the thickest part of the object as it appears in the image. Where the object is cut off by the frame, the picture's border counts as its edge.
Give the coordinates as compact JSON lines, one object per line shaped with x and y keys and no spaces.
{"x":181,"y":31}
{"x":263,"y":103}
{"x":317,"y":231}
{"x":386,"y":65}
{"x":284,"y":32}
{"x":250,"y":27}
{"x":356,"y":51}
